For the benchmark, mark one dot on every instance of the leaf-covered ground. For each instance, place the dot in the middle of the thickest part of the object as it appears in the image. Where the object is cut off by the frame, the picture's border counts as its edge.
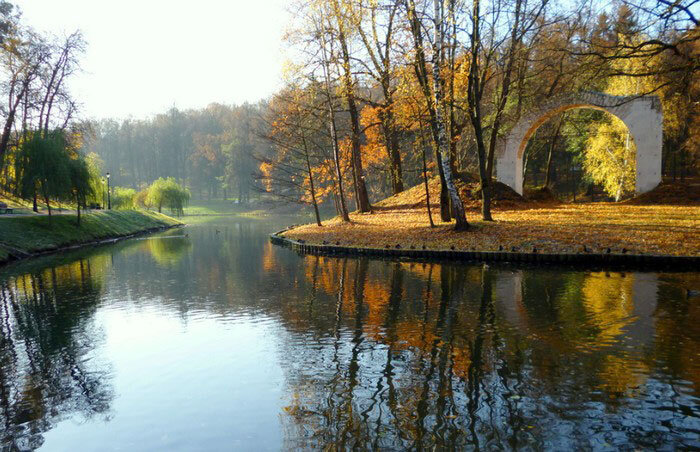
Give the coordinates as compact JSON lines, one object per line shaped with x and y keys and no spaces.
{"x":550,"y":227}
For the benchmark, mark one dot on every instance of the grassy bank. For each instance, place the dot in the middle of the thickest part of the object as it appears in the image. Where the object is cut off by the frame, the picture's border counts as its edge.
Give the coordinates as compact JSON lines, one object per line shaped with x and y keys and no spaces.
{"x":548,"y":227}
{"x":27,"y":235}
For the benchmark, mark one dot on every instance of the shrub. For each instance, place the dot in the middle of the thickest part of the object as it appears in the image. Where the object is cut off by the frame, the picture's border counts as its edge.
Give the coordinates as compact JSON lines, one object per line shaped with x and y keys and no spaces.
{"x":141,"y":199}
{"x":123,"y":198}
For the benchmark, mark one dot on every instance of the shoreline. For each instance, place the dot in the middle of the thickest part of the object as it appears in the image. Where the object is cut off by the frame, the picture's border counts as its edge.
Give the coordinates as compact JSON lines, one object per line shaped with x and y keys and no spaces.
{"x":12,"y":253}
{"x":597,"y":260}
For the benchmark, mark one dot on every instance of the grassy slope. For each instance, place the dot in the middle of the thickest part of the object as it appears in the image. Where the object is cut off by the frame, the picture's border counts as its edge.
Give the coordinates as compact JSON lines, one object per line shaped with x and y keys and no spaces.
{"x":19,"y":205}
{"x":31,"y":234}
{"x":24,"y":206}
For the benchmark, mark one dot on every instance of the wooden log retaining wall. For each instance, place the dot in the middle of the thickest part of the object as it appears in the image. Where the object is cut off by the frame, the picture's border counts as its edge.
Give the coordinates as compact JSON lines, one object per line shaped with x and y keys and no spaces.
{"x":638,"y":261}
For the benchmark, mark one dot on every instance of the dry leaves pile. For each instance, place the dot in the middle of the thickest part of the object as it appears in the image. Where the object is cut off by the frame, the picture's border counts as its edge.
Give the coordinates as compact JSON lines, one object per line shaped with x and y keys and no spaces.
{"x":555,"y":228}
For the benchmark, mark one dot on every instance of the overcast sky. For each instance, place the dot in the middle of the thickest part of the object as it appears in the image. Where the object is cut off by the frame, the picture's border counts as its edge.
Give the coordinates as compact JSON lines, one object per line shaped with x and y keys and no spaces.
{"x":145,"y":56}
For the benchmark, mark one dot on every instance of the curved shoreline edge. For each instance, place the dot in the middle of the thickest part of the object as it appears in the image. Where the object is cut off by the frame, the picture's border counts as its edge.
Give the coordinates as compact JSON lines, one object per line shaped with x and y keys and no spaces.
{"x":634,"y":261}
{"x":17,"y":256}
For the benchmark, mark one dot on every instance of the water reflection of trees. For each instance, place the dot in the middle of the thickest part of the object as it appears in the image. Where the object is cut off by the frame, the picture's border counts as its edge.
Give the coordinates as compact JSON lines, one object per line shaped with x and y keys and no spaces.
{"x":378,"y":354}
{"x":422,"y":356}
{"x":47,"y":337}
{"x":168,"y":250}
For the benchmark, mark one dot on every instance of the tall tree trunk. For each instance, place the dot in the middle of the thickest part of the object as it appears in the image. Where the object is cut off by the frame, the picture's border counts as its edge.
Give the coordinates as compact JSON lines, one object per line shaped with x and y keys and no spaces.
{"x":312,"y":189}
{"x":333,"y":131}
{"x":425,"y":182}
{"x":381,"y":60}
{"x":450,"y":101}
{"x":362,"y":197}
{"x":9,"y":121}
{"x":420,"y":67}
{"x":441,"y":138}
{"x":392,"y":146}
{"x":475,"y":92}
{"x":77,"y":203}
{"x":552,"y":145}
{"x":48,"y":204}
{"x":338,"y":172}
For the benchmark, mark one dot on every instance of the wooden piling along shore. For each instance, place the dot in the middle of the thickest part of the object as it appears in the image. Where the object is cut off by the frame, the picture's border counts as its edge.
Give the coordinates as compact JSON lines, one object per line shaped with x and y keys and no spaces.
{"x":611,"y":260}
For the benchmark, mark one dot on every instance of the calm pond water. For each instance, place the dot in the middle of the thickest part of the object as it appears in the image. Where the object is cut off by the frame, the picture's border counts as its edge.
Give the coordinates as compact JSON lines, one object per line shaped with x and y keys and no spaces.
{"x":221,"y":341}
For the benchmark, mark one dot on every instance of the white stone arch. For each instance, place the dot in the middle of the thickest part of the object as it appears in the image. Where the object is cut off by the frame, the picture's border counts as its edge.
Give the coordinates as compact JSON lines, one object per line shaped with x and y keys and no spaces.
{"x":641,"y":114}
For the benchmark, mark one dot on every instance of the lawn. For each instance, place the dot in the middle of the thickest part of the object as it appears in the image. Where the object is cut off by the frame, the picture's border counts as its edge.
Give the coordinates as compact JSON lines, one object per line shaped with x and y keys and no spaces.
{"x":212,"y":207}
{"x":222,"y":207}
{"x":260,"y":208}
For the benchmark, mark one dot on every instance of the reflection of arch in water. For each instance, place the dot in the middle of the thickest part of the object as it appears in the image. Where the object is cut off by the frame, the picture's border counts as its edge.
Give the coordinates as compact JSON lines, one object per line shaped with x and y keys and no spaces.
{"x":641,"y":114}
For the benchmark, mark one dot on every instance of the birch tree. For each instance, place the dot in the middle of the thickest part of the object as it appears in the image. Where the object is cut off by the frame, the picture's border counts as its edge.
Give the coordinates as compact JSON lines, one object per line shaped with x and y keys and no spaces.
{"x":440,"y":131}
{"x":422,"y":72}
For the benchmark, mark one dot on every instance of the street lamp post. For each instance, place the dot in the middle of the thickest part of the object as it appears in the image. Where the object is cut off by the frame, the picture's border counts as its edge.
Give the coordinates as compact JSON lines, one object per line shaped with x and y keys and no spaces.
{"x":109,"y":198}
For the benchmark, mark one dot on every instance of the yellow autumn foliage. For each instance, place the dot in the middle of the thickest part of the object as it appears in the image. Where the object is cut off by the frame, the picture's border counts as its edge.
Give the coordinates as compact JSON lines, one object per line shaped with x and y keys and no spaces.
{"x":610,"y":158}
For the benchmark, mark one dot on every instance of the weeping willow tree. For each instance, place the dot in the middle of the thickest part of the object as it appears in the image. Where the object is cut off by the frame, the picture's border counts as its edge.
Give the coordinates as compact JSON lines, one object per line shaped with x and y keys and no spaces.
{"x":43,"y":168}
{"x":50,"y":167}
{"x":166,"y":192}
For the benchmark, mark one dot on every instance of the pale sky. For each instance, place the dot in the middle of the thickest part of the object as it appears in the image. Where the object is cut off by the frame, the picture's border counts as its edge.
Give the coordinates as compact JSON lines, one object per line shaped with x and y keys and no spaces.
{"x":145,"y":56}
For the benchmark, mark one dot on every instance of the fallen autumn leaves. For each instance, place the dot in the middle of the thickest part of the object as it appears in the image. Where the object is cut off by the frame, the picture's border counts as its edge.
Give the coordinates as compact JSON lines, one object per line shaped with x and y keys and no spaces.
{"x":557,"y":228}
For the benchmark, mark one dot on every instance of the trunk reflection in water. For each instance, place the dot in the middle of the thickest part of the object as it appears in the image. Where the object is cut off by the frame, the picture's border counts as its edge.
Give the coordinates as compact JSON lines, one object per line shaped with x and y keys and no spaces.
{"x":499,"y":357}
{"x":219,"y":339}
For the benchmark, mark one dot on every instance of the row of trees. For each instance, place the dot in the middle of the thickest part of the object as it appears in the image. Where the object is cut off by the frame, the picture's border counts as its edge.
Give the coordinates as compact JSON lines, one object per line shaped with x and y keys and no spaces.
{"x":382,"y":95}
{"x":41,"y":140}
{"x":47,"y":154}
{"x":383,"y":90}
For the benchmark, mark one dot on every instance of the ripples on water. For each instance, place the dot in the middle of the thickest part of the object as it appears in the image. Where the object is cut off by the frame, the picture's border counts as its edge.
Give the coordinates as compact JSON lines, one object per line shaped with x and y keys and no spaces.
{"x":221,"y":340}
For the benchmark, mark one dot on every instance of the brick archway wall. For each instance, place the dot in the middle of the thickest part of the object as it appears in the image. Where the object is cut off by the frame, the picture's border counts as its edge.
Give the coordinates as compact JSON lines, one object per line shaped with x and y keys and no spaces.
{"x":641,"y":114}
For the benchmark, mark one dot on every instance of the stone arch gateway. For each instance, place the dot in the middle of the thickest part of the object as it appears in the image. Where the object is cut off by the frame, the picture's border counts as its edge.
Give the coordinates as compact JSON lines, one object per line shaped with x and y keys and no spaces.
{"x":641,"y":114}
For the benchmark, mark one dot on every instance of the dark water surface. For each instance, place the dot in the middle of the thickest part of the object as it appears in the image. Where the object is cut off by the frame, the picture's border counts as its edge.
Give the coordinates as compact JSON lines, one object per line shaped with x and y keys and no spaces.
{"x":222,"y":341}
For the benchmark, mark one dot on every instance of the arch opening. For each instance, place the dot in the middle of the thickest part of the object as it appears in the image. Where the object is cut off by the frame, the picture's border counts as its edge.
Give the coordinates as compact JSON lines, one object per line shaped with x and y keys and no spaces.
{"x":641,"y":115}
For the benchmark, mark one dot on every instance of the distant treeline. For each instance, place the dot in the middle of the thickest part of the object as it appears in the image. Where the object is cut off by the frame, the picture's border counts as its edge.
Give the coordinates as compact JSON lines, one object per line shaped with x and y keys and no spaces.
{"x":212,"y":151}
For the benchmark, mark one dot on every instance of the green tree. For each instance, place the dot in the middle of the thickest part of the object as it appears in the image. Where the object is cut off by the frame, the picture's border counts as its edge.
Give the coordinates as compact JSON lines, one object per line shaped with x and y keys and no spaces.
{"x":168,"y":193}
{"x":94,"y":166}
{"x":50,"y":167}
{"x":123,"y":198}
{"x":610,"y":159}
{"x":81,"y":184}
{"x":45,"y":167}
